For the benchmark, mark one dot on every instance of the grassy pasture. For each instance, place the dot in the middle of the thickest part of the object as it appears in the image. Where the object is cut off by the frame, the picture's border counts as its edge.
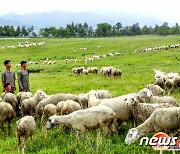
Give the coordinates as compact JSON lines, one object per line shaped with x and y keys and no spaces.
{"x":137,"y":73}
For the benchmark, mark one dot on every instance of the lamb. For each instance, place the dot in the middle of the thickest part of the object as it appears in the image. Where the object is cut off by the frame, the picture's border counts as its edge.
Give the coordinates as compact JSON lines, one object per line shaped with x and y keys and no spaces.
{"x":11,"y":99}
{"x":161,"y":120}
{"x":28,"y":106}
{"x":169,"y":85}
{"x":67,"y":107}
{"x":6,"y":114}
{"x":142,"y":111}
{"x":25,"y":128}
{"x":54,"y":99}
{"x":155,"y":89}
{"x":49,"y":110}
{"x":98,"y":116}
{"x":82,"y":99}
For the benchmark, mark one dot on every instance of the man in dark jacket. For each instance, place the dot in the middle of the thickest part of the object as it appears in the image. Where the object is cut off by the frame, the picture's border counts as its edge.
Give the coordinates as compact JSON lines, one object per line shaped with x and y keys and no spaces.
{"x":8,"y":76}
{"x":23,"y":76}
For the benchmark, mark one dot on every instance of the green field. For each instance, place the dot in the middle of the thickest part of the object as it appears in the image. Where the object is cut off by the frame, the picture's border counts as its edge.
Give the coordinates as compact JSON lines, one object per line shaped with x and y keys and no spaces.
{"x":137,"y":73}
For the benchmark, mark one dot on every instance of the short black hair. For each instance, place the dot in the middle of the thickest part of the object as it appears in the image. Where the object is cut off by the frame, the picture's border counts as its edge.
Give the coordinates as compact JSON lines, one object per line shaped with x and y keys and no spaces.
{"x":6,"y":84}
{"x":23,"y":62}
{"x":6,"y":62}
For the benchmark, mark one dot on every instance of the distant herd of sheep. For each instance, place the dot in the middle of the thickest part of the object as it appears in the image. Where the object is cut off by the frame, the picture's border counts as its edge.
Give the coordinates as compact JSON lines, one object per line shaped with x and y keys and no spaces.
{"x":105,"y":71}
{"x":93,"y":58}
{"x":164,"y":47}
{"x":24,"y":45}
{"x":97,"y":108}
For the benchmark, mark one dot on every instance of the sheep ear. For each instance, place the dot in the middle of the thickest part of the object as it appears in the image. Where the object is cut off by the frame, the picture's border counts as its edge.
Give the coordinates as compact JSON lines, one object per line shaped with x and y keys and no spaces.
{"x":149,"y":94}
{"x":125,"y":99}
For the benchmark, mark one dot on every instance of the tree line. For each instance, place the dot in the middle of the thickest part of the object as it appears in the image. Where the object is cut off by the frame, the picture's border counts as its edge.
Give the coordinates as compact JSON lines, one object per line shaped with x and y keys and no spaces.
{"x":84,"y":30}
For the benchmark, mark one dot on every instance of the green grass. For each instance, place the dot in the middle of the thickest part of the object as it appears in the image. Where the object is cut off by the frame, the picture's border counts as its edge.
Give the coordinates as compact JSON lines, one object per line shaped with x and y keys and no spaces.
{"x":137,"y":73}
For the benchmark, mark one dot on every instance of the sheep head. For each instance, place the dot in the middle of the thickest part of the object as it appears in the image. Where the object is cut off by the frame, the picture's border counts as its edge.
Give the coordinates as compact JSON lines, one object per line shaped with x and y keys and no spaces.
{"x":132,"y":136}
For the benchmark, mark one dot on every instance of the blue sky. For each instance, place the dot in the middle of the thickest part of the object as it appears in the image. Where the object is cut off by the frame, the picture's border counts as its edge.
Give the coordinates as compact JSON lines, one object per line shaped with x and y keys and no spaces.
{"x":161,"y":9}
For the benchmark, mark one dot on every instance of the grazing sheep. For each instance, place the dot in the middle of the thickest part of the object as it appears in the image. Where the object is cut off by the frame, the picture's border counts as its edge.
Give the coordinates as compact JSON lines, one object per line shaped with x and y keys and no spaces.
{"x":98,"y":116}
{"x":118,"y":105}
{"x":83,"y":100}
{"x":146,"y":96}
{"x":159,"y":82}
{"x":161,"y":120}
{"x":28,"y":106}
{"x":93,"y":70}
{"x":6,"y":114}
{"x":49,"y":110}
{"x":54,"y":99}
{"x":176,"y":81}
{"x":11,"y":99}
{"x":67,"y":107}
{"x":169,"y":85}
{"x":142,"y":111}
{"x":116,"y":72}
{"x":23,"y":95}
{"x":85,"y":72}
{"x":25,"y":128}
{"x":155,"y":89}
{"x":92,"y":98}
{"x":103,"y":94}
{"x":105,"y":71}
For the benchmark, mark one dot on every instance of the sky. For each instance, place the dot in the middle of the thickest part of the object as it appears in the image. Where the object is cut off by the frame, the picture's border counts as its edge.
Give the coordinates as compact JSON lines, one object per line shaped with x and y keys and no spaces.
{"x":161,"y":9}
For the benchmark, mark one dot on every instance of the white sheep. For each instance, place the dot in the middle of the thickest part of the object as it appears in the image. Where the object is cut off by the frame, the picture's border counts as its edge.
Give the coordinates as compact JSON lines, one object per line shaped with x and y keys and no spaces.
{"x":146,"y":96}
{"x":67,"y":107}
{"x":161,"y":120}
{"x":11,"y":99}
{"x":25,"y":128}
{"x":49,"y":110}
{"x":155,"y":89}
{"x":28,"y":106}
{"x":118,"y":104}
{"x":83,"y":100}
{"x":142,"y":111}
{"x":176,"y":81}
{"x":159,"y":82}
{"x":23,"y":95}
{"x":54,"y":99}
{"x":98,"y":116}
{"x":169,"y":84}
{"x":106,"y":71}
{"x":116,"y":72}
{"x":6,"y":114}
{"x":102,"y":94}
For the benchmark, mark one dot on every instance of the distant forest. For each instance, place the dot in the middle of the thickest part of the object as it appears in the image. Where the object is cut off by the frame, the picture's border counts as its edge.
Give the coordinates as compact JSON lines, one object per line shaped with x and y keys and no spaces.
{"x":84,"y":30}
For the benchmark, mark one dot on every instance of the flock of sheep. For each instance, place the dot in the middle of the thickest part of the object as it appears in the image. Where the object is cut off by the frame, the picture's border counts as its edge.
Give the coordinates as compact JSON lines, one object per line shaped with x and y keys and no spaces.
{"x":95,"y":109}
{"x":24,"y":45}
{"x":167,"y":81}
{"x":105,"y":71}
{"x":164,"y":47}
{"x":93,"y":58}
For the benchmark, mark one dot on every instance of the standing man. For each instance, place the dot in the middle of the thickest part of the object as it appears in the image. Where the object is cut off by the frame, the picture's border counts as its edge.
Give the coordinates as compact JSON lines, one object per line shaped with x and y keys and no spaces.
{"x":23,"y":76}
{"x":8,"y":76}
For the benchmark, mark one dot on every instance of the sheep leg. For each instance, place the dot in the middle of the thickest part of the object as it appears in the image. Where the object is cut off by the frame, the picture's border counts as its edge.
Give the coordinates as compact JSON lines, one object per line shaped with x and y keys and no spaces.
{"x":23,"y":145}
{"x":9,"y":127}
{"x":105,"y":129}
{"x":19,"y":141}
{"x":161,"y":152}
{"x":113,"y":129}
{"x":173,"y":152}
